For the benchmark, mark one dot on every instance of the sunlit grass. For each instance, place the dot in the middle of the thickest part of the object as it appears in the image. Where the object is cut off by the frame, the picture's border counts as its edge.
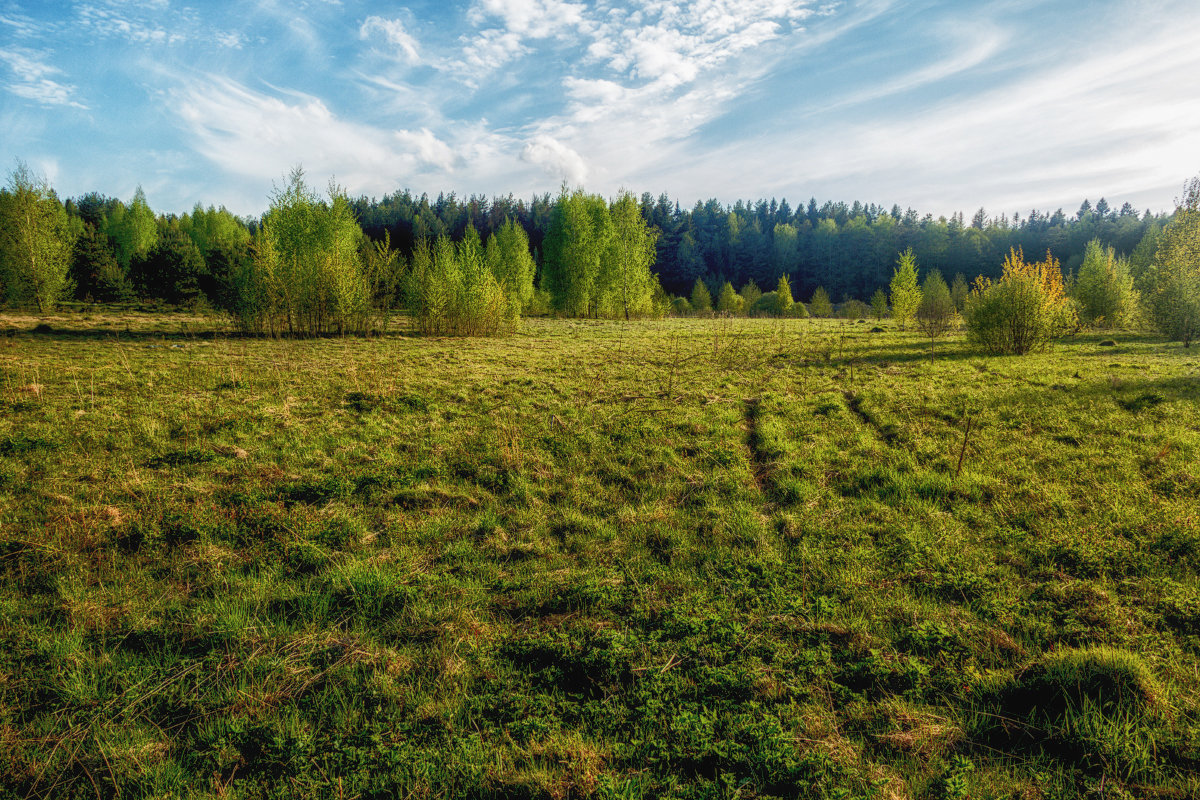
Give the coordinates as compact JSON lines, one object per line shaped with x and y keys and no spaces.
{"x":668,"y":558}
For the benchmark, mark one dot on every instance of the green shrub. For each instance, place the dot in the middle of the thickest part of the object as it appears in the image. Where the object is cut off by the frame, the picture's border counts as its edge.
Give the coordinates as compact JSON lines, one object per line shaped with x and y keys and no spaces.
{"x":1022,"y":311}
{"x":680,"y":307}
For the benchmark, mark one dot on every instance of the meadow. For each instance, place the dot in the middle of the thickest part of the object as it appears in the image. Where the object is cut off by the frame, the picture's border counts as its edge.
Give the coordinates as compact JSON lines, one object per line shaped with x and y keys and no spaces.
{"x":680,"y":558}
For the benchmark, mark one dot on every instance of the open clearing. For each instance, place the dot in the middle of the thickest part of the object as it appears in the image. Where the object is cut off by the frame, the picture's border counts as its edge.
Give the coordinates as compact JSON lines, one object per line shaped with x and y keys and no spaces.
{"x":677,"y":558}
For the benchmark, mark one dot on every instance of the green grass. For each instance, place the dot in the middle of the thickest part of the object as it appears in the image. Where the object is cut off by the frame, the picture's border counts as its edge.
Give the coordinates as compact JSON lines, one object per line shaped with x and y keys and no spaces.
{"x":682,"y":558}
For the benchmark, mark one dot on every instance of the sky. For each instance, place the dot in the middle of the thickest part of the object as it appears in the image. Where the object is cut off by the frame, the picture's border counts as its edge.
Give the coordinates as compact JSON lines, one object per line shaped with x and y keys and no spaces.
{"x":942,"y":106}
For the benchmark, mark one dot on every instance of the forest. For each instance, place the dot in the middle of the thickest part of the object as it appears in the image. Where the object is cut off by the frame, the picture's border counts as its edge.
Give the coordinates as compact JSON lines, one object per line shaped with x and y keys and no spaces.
{"x":316,"y":264}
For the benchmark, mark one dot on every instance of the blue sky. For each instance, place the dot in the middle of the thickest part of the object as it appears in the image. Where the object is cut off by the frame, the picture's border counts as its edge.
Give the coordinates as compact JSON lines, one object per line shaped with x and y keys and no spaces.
{"x":942,"y":106}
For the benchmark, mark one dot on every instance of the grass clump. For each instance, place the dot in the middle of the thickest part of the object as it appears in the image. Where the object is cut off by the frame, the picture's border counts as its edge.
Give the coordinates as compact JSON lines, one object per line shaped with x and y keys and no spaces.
{"x":1100,"y":708}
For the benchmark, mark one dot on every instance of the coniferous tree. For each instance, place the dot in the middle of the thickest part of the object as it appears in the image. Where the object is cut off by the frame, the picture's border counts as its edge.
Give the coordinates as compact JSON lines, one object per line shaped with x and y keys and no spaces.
{"x":172,"y":270}
{"x":785,"y":249}
{"x":95,"y":272}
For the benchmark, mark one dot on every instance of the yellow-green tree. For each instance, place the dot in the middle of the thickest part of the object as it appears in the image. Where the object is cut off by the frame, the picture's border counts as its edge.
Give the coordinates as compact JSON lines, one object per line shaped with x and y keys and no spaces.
{"x":1172,"y":280}
{"x":132,"y":228}
{"x":936,"y":313}
{"x":820,"y":305}
{"x":879,"y":304}
{"x":906,"y":294}
{"x":701,"y":298}
{"x":783,"y":296}
{"x":36,"y":241}
{"x":626,"y":275}
{"x":1104,"y":289}
{"x":508,"y":256}
{"x":580,"y":232}
{"x":307,"y":276}
{"x":750,"y":294}
{"x":728,"y":301}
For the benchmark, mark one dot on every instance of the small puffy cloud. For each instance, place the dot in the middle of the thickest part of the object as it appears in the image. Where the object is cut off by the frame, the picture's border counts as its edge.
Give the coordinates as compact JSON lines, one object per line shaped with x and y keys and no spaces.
{"x":556,"y":159}
{"x":428,"y":148}
{"x":537,"y":19}
{"x":661,"y":54}
{"x":34,"y":79}
{"x":492,"y":49}
{"x":395,"y":34}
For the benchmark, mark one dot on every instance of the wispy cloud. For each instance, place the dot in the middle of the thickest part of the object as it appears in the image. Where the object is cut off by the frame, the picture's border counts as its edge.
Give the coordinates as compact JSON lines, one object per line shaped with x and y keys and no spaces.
{"x":154,"y":22}
{"x":35,"y":79}
{"x":395,"y":34}
{"x":1110,"y":118}
{"x":261,"y":136}
{"x":116,"y":20}
{"x":19,"y":25}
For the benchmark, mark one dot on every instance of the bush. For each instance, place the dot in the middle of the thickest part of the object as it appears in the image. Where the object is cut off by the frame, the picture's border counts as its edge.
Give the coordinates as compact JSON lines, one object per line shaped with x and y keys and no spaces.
{"x":680,"y":307}
{"x":854,"y":309}
{"x":1022,"y":311}
{"x":766,"y":304}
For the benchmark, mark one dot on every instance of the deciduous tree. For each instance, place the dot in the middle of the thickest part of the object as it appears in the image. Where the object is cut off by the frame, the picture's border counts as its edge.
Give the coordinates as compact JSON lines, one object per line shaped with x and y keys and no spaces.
{"x":879,"y":304}
{"x":936,"y":313}
{"x":701,"y":298}
{"x":906,"y":294}
{"x":1173,"y":296}
{"x":36,"y":241}
{"x":1104,"y":289}
{"x":820,"y":305}
{"x":629,"y":258}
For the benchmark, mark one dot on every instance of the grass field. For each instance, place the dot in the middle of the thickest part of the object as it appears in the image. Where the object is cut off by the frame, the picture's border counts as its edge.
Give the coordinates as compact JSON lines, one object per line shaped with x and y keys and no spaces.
{"x":679,"y":558}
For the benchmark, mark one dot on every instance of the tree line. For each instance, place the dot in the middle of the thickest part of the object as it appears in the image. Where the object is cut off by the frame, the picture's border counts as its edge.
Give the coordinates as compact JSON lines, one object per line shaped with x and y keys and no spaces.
{"x":313,"y":264}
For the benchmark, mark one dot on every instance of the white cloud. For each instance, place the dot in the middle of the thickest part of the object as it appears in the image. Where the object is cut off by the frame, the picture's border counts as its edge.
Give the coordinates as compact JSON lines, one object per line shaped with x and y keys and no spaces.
{"x":118,"y":21}
{"x":428,"y":148}
{"x":34,"y":79}
{"x":395,"y":34}
{"x":1117,"y":123}
{"x":558,"y":160}
{"x":153,"y":22}
{"x":490,"y":50}
{"x":19,"y":25}
{"x":537,"y":19}
{"x":261,"y":136}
